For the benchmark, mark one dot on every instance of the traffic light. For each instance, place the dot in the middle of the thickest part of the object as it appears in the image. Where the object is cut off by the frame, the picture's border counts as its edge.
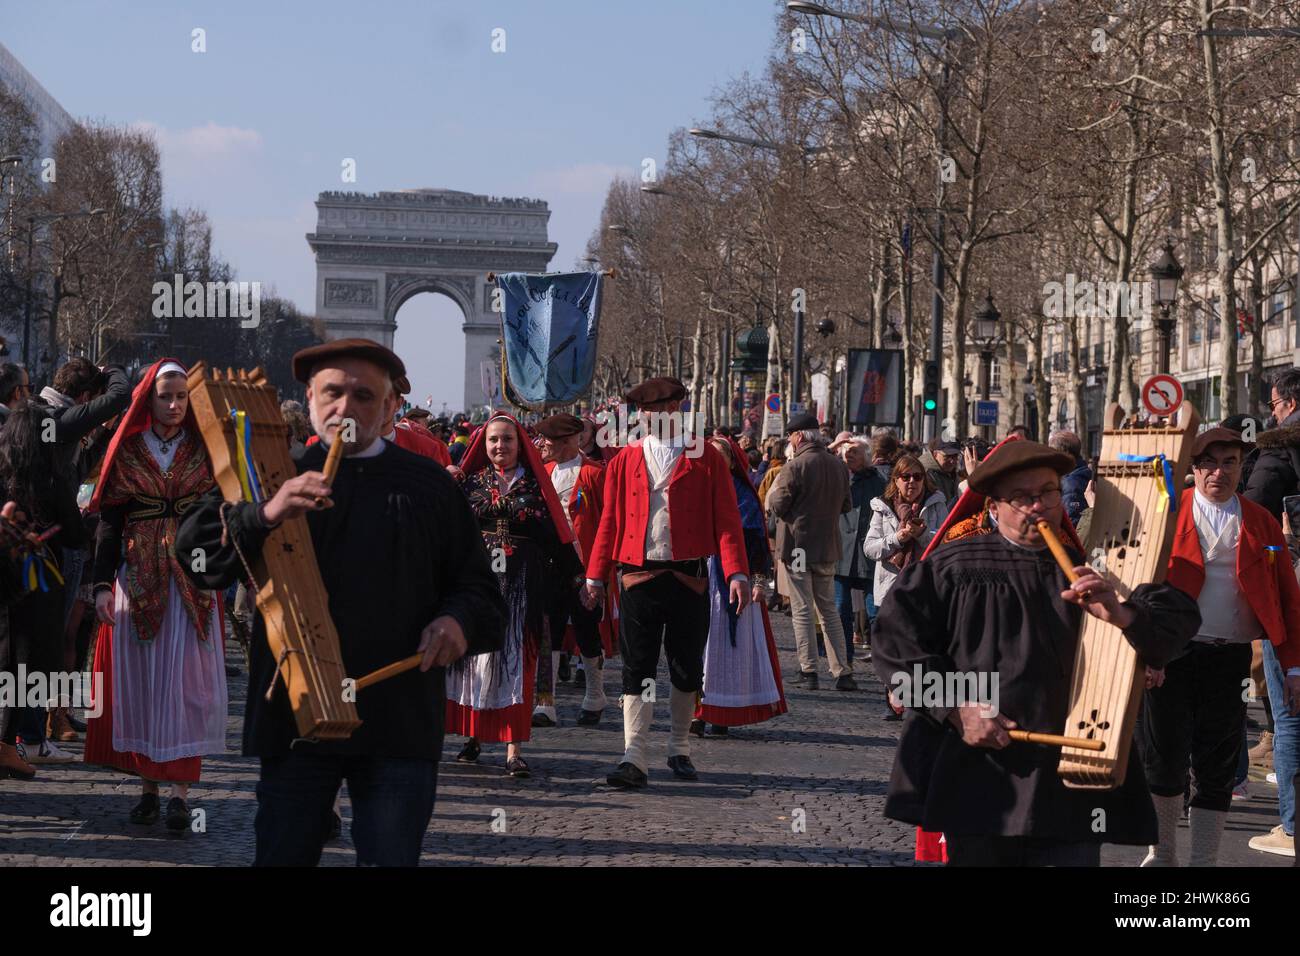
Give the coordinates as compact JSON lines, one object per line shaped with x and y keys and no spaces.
{"x":930,"y":388}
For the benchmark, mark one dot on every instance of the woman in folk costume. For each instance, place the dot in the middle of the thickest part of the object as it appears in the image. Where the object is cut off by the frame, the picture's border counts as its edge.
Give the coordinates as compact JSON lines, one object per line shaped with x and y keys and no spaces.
{"x":160,"y":650}
{"x":490,"y":696}
{"x":742,"y":674}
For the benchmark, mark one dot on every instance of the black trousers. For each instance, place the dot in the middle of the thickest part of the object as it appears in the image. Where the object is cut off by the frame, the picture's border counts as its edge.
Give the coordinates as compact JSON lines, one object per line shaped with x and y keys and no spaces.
{"x":567,"y":610}
{"x":1019,"y":851}
{"x":662,"y":611}
{"x":1195,"y":720}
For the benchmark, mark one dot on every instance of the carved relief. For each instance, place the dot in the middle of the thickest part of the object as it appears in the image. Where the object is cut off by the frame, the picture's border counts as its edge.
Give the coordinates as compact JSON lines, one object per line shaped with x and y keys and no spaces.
{"x":353,"y":293}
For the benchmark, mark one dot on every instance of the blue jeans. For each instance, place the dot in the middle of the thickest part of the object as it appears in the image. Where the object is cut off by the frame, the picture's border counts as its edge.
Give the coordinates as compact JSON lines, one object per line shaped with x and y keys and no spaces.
{"x":1286,"y":739}
{"x":392,"y":802}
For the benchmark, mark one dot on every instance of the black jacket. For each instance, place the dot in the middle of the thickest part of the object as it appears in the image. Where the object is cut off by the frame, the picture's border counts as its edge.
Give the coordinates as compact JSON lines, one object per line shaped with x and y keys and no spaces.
{"x":1277,"y":469}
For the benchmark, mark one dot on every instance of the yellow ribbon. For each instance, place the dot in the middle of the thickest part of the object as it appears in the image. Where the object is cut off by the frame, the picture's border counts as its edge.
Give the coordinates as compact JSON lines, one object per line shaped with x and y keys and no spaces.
{"x":241,"y":453}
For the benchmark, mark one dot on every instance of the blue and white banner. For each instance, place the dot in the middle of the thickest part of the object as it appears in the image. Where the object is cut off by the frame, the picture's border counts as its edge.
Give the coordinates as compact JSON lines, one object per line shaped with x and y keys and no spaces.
{"x":549,"y":324}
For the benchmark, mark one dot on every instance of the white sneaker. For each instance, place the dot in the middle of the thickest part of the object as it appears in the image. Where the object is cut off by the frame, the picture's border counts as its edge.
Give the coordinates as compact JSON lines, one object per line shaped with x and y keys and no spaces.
{"x":49,"y":753}
{"x":1241,"y":791}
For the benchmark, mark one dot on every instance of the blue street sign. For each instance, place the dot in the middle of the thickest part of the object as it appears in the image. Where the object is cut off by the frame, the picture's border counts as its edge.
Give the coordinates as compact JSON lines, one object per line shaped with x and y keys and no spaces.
{"x":986,"y":413}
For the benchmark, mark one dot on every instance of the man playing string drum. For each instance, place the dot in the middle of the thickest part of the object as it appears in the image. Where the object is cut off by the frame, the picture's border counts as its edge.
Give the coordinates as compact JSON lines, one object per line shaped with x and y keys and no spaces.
{"x":405,"y":568}
{"x":998,"y":607}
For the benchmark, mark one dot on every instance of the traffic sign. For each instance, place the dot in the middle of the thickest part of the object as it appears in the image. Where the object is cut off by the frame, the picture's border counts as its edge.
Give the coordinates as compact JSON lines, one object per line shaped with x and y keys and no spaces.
{"x":1161,"y":394}
{"x":797,"y":408}
{"x":774,"y":403}
{"x":986,"y":413}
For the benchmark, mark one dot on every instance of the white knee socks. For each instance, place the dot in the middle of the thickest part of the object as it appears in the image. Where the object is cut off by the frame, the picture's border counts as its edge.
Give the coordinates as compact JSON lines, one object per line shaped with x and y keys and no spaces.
{"x":1169,"y":811}
{"x":594,"y":698}
{"x":682,"y":705}
{"x":1207,"y":831}
{"x":637,"y":715}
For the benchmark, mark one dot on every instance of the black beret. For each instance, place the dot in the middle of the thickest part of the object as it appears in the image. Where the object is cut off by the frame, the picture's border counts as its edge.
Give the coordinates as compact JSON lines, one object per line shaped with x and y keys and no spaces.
{"x":561,"y":425}
{"x":802,"y":423}
{"x":655,"y":390}
{"x":308,"y":360}
{"x":1017,"y":456}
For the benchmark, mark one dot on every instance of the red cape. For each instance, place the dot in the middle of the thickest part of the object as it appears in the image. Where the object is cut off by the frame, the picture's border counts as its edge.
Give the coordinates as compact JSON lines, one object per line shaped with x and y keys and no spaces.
{"x":475,"y":458}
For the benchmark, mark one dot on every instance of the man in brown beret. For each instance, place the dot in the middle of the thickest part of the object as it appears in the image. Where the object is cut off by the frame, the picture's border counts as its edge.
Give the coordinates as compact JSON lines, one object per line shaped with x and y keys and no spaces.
{"x":995,"y":612}
{"x":406,"y":571}
{"x":580,"y":486}
{"x":669,"y":506}
{"x":1229,"y":554}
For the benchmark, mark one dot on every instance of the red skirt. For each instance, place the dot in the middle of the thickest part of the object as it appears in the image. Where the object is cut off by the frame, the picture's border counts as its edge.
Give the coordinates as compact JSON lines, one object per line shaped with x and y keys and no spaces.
{"x":99,"y":730}
{"x":754,"y":713}
{"x":505,"y":725}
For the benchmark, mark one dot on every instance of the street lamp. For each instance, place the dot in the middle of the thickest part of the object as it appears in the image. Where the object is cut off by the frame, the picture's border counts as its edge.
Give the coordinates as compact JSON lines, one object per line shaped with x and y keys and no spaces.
{"x":1165,"y":273}
{"x":987,"y":330}
{"x":749,"y":141}
{"x":930,"y":407}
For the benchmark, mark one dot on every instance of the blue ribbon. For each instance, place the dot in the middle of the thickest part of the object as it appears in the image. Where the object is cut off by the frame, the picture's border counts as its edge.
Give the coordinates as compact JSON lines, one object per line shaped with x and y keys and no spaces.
{"x":1168,"y":473}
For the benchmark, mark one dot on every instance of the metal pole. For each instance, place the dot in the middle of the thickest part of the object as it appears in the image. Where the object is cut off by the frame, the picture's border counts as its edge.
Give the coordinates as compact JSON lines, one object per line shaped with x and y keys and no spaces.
{"x":27,"y":299}
{"x":796,"y":374}
{"x":726,"y":376}
{"x":1165,"y":327}
{"x":986,"y":384}
{"x":931,"y":419}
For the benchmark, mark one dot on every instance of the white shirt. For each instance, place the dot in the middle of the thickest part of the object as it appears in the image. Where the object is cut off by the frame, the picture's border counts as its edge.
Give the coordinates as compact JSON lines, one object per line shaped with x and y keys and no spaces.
{"x":660,"y":461}
{"x":506,"y":480}
{"x":155,"y":446}
{"x":1226,"y":615}
{"x":564,"y":476}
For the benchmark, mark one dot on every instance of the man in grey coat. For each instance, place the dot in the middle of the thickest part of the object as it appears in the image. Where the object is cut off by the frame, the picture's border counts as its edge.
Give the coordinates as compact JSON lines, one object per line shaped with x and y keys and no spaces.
{"x":807,"y":498}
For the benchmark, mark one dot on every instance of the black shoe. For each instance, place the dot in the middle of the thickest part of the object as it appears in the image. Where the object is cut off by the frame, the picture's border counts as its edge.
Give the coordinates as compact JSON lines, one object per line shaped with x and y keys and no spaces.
{"x":845,"y":682}
{"x":178,"y":814}
{"x":580,"y":677}
{"x":232,"y":671}
{"x":802,"y":677}
{"x":588,"y":718}
{"x":516,"y":767}
{"x":77,"y":723}
{"x":718,"y":731}
{"x":336,"y":825}
{"x":890,"y":715}
{"x":542,"y":720}
{"x":562,"y":671}
{"x":628,"y":776}
{"x":697,"y":728}
{"x":469,"y":753}
{"x":682,"y":768}
{"x":146,"y":811}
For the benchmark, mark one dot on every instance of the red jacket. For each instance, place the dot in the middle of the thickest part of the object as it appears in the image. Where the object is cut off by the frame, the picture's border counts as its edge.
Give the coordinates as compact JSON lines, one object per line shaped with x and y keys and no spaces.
{"x":420,"y":440}
{"x":1269,"y":584}
{"x":585,"y":504}
{"x":704,"y":518}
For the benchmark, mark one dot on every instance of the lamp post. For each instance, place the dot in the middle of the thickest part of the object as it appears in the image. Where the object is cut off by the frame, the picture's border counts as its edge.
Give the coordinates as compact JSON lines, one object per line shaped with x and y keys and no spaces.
{"x":931,"y":415}
{"x":987,"y":318}
{"x":1165,"y":274}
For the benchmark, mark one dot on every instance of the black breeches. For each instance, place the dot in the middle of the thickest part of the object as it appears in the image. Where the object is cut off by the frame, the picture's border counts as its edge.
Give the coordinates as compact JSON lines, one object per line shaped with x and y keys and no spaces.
{"x":1195,"y":720}
{"x":663,"y":611}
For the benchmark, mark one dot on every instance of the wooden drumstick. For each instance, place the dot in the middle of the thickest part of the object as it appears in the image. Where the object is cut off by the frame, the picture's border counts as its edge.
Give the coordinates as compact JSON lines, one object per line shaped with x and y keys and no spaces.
{"x":391,"y":670}
{"x":1054,"y":740}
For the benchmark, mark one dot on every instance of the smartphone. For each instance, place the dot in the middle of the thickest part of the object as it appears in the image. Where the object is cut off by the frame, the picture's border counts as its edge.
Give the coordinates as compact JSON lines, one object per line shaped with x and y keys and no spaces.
{"x":1291,"y":508}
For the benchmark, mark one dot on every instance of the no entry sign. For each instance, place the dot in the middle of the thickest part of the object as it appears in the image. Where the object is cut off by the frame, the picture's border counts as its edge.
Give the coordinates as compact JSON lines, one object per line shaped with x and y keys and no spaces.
{"x":1161,"y":394}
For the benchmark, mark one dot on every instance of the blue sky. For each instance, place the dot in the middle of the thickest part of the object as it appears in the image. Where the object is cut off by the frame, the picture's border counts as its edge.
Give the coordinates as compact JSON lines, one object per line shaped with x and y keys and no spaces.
{"x":255,"y":127}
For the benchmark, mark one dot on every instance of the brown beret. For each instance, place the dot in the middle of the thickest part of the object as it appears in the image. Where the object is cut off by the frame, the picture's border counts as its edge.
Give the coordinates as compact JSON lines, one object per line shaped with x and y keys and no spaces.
{"x":1017,"y":456}
{"x":1217,"y":436}
{"x":308,"y":360}
{"x":655,"y":390}
{"x":402,"y":385}
{"x":561,"y":425}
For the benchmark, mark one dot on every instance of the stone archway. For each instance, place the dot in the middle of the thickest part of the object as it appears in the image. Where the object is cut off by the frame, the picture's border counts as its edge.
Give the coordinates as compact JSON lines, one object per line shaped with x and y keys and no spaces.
{"x":373,"y":252}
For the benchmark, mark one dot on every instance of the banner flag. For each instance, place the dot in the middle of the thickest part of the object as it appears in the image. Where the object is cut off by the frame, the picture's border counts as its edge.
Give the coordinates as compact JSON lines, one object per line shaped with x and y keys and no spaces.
{"x":875,"y":387}
{"x":549,"y":327}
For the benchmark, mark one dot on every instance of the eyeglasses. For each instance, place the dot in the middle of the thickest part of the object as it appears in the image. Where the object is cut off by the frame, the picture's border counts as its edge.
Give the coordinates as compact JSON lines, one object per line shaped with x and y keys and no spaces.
{"x":1276,"y":401}
{"x":911,"y":477}
{"x":1049,"y":499}
{"x":1209,"y":467}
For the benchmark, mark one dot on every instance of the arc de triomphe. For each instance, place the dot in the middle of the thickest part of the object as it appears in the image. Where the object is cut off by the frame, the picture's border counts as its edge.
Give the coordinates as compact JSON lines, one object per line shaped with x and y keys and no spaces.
{"x":373,"y":252}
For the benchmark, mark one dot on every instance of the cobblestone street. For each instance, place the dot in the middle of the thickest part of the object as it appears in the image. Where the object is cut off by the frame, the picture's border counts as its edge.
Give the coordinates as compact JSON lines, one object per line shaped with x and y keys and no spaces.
{"x":826,"y":762}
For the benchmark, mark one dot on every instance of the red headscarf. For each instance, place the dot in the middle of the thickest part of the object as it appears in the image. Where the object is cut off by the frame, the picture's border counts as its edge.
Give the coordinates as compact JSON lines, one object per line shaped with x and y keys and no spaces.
{"x":136,"y":419}
{"x":475,"y":458}
{"x":972,"y":502}
{"x":738,"y":461}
